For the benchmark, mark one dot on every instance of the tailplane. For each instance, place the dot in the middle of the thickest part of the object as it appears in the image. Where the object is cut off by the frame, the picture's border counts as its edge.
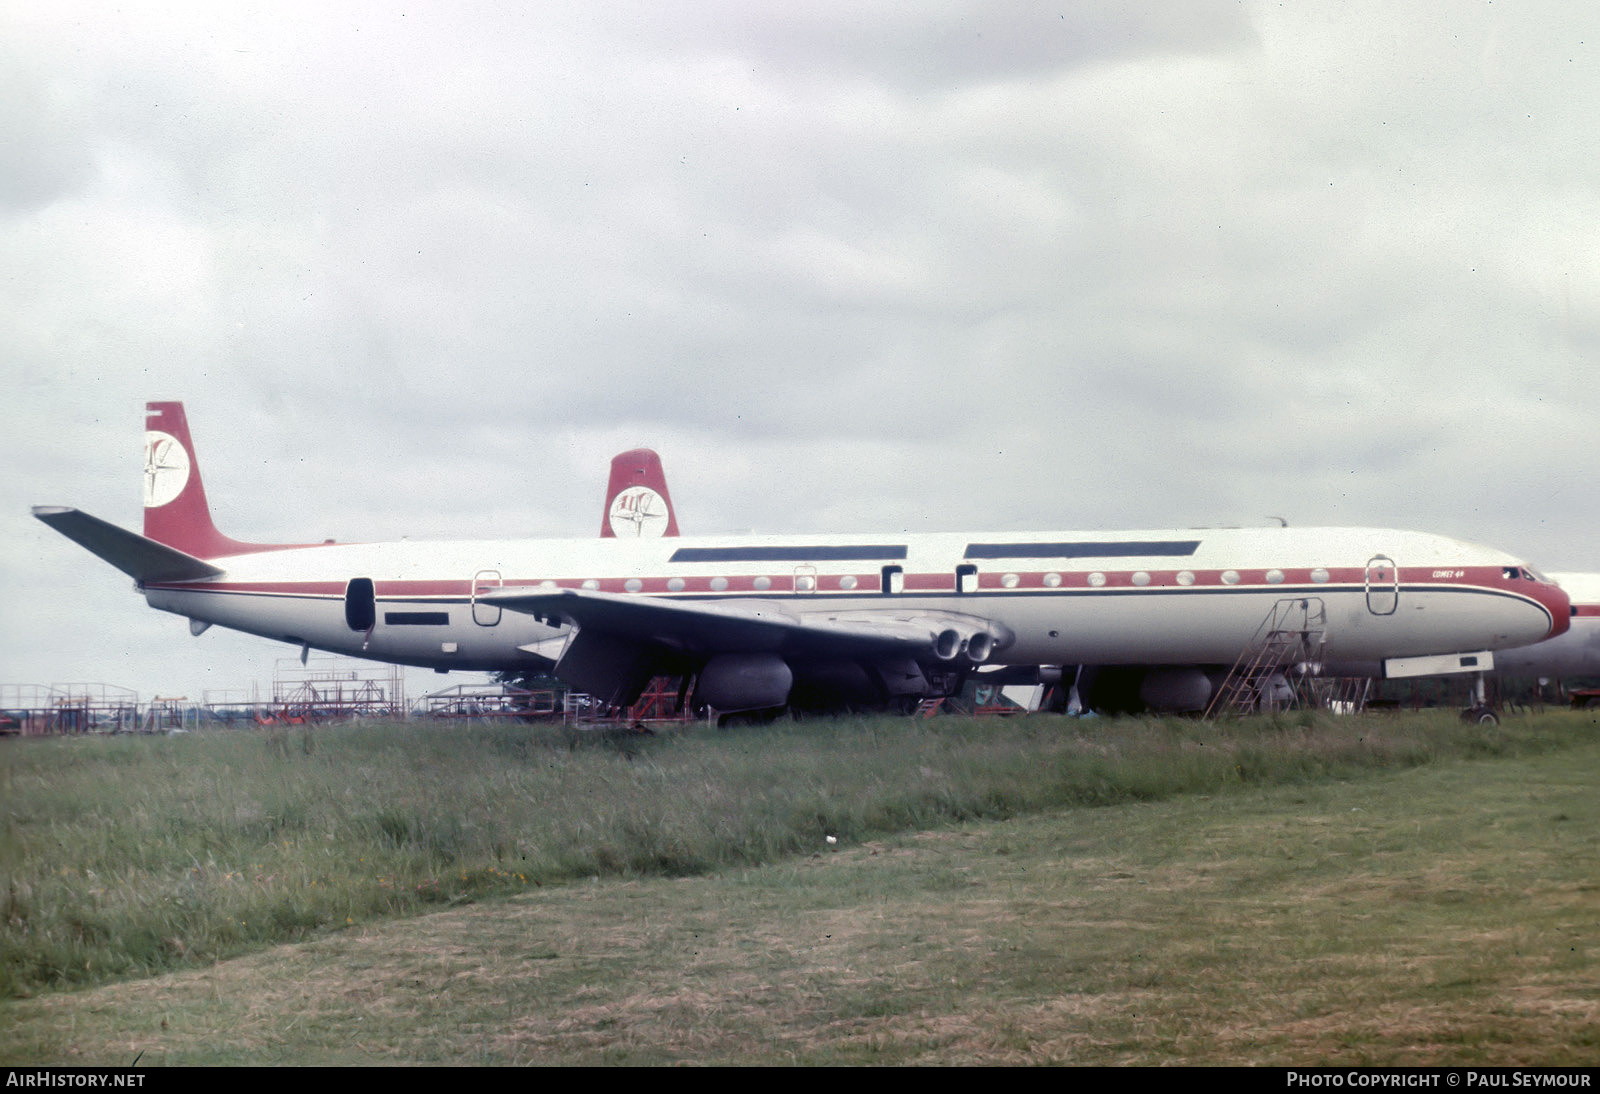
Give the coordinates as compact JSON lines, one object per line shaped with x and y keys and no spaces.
{"x":175,"y":509}
{"x":637,"y":502}
{"x":139,"y":557}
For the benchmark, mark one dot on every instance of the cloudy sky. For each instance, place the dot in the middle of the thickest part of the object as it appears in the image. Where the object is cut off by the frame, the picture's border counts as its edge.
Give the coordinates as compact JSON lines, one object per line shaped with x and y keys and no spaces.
{"x":422,"y":269}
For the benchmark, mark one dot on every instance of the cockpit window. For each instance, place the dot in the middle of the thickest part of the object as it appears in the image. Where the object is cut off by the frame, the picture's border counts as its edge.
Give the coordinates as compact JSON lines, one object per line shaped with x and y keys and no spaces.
{"x":1511,"y":573}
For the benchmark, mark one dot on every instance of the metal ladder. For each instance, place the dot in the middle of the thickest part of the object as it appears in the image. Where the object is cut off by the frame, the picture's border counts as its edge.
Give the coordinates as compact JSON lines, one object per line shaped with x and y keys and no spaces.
{"x":1292,"y":633}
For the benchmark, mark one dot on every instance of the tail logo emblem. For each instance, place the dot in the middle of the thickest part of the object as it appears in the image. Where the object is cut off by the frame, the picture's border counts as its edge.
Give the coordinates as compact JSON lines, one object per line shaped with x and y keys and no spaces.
{"x":638,"y":512}
{"x":166,"y":468}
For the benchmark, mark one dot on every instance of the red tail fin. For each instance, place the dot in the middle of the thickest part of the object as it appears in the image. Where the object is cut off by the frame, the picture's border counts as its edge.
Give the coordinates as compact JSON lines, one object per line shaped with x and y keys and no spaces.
{"x":637,"y":502}
{"x":175,"y":508}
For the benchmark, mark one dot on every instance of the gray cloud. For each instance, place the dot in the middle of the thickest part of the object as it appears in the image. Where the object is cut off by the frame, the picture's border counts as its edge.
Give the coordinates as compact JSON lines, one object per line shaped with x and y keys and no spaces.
{"x":875,"y":266}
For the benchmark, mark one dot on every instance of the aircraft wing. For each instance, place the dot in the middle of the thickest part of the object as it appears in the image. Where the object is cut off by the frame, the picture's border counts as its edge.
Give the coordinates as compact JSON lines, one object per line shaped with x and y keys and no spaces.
{"x":704,"y":628}
{"x":142,"y":559}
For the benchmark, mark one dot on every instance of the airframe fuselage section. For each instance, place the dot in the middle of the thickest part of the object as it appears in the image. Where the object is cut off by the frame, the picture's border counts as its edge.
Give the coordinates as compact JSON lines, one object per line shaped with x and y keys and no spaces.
{"x":1142,"y":597}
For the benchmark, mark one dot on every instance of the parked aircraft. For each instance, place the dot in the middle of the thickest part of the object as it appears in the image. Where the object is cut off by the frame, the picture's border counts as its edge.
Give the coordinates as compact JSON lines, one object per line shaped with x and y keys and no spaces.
{"x":812,"y":620}
{"x":1120,"y":687}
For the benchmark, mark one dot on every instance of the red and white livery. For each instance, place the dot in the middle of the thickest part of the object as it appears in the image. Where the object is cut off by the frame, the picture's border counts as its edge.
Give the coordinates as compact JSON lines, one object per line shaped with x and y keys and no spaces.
{"x":816,"y":620}
{"x":637,"y":503}
{"x":1575,"y":653}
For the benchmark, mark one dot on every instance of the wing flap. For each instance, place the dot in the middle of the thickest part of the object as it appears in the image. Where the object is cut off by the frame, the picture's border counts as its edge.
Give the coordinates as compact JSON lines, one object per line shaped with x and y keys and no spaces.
{"x":142,"y":559}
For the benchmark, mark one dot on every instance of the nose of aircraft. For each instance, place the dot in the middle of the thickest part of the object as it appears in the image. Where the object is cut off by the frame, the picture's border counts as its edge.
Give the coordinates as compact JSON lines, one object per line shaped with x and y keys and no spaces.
{"x":1556,"y":601}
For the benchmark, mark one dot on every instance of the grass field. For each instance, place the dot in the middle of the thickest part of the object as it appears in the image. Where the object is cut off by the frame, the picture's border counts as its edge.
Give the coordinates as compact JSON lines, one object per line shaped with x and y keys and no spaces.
{"x":1378,"y":890}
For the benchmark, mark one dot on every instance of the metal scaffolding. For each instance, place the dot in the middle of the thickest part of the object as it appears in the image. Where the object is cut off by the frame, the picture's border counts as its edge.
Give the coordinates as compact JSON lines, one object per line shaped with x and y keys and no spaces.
{"x":490,"y":703}
{"x":487,"y":702}
{"x":333,"y":689}
{"x":37,"y":710}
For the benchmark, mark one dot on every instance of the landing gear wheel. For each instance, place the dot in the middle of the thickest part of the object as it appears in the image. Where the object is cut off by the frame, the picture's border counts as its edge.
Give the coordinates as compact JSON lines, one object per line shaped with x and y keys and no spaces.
{"x":1480,"y":716}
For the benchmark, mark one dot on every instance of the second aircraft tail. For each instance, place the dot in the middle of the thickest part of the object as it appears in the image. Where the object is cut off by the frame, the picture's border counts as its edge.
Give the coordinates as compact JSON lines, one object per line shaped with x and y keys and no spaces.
{"x":637,"y":502}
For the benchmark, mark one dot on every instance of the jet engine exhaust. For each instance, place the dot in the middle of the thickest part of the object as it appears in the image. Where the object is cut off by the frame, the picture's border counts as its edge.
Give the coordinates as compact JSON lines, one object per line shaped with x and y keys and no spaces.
{"x":979,"y":647}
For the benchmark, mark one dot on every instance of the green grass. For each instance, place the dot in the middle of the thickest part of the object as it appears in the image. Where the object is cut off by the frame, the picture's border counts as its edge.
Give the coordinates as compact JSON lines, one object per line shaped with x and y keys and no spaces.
{"x":130,"y":856}
{"x":1437,"y":913}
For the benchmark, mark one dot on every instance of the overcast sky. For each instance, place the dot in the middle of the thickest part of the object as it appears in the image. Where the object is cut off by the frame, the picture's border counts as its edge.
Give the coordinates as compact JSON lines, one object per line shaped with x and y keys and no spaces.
{"x":422,"y":269}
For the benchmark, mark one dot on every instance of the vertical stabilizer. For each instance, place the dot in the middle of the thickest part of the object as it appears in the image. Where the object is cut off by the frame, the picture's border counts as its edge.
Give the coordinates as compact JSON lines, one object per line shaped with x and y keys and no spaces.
{"x":175,"y":509}
{"x":637,"y":502}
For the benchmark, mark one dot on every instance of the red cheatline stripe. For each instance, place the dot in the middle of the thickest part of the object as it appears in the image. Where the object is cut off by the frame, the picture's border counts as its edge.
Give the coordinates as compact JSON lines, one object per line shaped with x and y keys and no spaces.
{"x":870,"y":584}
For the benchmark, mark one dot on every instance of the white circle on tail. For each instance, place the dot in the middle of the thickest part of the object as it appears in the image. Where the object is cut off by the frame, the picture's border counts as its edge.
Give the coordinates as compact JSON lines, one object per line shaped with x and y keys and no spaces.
{"x":166,"y":468}
{"x":638,"y":511}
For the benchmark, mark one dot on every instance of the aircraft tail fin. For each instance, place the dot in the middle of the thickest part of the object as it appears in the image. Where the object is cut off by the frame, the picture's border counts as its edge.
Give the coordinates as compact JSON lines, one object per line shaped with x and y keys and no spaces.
{"x":139,"y":557}
{"x":637,"y":502}
{"x":176,"y":512}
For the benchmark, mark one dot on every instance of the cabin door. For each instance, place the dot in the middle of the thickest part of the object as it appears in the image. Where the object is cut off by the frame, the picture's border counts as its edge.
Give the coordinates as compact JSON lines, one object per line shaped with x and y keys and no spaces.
{"x":1383,"y":585}
{"x":485,"y":615}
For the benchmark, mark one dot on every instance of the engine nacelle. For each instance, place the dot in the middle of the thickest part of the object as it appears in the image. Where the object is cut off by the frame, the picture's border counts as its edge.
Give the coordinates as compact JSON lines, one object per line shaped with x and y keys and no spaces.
{"x":733,"y":682}
{"x":950,"y":643}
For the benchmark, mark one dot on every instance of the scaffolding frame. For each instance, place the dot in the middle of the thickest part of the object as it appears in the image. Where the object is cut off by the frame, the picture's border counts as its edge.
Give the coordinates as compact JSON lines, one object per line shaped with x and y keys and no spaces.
{"x":48,"y":709}
{"x":334,"y":689}
{"x":490,"y":703}
{"x":1267,"y":675}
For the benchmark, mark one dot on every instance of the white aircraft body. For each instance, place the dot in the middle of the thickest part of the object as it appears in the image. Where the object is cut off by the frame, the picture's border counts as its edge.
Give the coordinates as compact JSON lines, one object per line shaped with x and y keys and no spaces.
{"x":638,"y":487}
{"x":816,"y":620}
{"x":1575,"y":653}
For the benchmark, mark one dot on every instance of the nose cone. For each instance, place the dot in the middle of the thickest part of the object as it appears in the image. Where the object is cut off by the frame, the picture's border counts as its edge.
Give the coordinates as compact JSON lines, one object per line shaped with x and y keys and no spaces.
{"x":1555,"y":601}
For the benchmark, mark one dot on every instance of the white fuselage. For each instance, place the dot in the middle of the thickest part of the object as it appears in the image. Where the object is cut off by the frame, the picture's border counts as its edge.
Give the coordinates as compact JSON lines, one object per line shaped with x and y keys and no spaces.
{"x":1191,"y":597}
{"x":1576,"y":653}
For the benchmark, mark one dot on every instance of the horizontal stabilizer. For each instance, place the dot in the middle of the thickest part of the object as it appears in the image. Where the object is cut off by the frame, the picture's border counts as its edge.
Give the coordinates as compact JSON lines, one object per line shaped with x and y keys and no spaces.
{"x":142,"y":559}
